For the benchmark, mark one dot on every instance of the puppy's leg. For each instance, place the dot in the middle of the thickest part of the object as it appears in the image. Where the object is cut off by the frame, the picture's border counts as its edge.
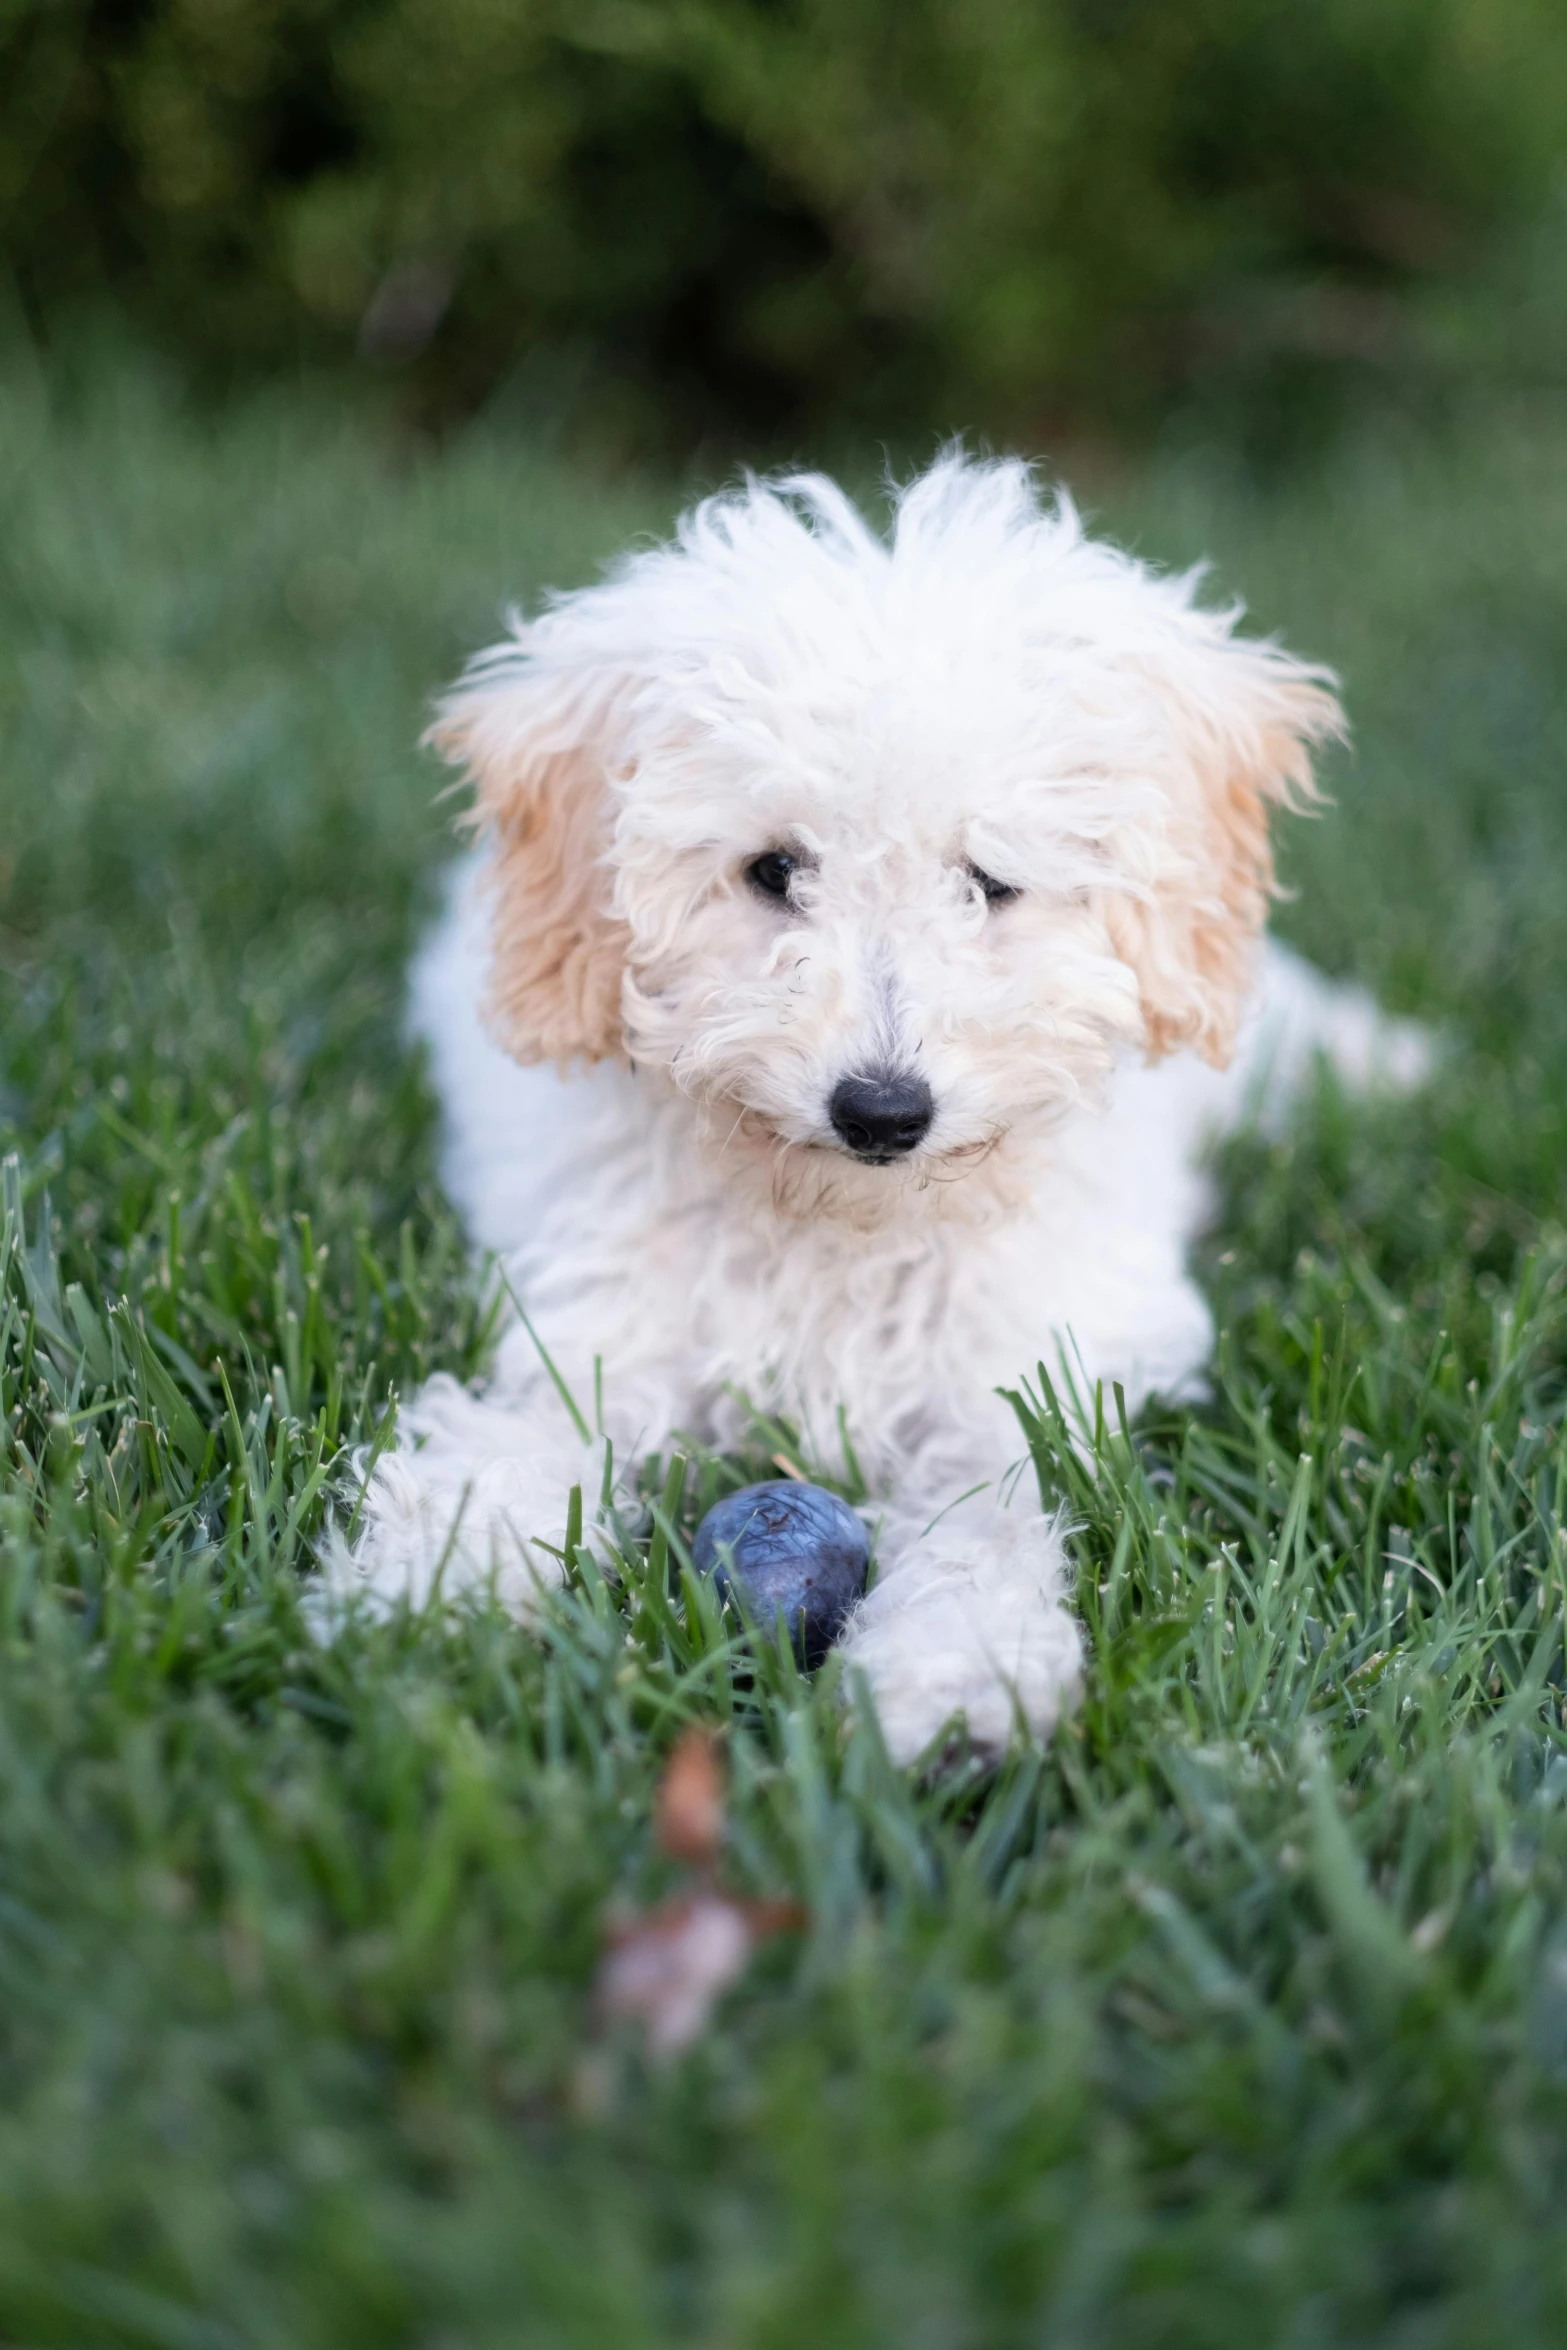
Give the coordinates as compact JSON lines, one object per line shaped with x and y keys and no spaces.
{"x":967,"y":1618}
{"x":1300,"y":1015}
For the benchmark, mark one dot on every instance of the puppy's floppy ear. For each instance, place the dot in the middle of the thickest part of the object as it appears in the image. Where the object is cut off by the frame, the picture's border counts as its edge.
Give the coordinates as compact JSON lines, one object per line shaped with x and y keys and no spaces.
{"x":538,"y":745}
{"x":1240,"y":719}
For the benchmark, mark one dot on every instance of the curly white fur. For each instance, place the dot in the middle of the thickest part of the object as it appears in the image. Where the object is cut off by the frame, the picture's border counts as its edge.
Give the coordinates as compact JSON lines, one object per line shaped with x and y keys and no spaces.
{"x":986,"y":692}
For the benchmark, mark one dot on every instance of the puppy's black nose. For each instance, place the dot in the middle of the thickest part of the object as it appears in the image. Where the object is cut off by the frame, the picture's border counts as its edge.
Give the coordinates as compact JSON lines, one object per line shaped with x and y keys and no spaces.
{"x":881,"y":1116}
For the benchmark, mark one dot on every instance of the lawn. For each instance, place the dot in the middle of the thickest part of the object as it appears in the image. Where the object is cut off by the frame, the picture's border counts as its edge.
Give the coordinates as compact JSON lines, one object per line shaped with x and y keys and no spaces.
{"x":1237,"y":2016}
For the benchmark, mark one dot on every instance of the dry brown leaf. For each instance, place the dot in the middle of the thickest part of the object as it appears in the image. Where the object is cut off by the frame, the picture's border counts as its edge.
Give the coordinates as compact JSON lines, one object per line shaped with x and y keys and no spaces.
{"x":666,"y":1968}
{"x":688,"y":1810}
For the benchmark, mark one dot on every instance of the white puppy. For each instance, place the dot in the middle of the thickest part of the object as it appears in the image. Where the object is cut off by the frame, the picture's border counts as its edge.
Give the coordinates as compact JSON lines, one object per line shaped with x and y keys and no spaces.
{"x":902,"y":898}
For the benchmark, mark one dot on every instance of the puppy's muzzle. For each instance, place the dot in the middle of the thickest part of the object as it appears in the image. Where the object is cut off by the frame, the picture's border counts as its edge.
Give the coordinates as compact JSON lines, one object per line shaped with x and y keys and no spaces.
{"x":882,"y":1115}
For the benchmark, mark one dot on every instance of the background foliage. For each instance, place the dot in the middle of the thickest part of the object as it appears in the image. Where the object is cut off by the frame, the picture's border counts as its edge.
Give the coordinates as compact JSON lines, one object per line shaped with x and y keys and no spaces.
{"x":761,"y":216}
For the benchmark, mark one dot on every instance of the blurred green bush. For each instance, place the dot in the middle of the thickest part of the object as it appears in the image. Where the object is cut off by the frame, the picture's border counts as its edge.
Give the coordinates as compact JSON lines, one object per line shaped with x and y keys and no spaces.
{"x":776,"y":214}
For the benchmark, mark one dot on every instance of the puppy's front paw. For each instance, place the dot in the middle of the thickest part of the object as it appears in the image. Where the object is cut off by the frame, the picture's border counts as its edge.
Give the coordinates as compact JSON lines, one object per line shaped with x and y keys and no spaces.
{"x":478,"y":1502}
{"x":423,"y":1534}
{"x":985,"y":1641}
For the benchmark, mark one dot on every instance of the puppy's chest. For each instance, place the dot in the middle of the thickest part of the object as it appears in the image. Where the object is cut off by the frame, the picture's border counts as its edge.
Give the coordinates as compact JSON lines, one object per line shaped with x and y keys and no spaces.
{"x":700,"y":1292}
{"x":812,"y":1314}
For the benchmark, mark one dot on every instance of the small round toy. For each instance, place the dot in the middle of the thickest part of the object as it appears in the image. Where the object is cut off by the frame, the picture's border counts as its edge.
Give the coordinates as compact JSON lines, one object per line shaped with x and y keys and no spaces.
{"x":787,"y":1549}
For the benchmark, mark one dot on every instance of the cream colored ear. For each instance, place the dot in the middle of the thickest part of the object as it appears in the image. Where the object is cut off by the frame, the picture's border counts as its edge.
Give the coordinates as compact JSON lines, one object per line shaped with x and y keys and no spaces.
{"x":538,"y":751}
{"x":1245,"y":718}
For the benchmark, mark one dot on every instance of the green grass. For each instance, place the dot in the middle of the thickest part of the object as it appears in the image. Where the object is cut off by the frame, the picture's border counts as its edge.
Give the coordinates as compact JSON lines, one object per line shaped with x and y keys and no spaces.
{"x":1240,"y":2015}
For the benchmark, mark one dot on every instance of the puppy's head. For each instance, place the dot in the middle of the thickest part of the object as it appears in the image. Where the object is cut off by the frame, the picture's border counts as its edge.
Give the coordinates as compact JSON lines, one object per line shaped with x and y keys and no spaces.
{"x":882,"y":850}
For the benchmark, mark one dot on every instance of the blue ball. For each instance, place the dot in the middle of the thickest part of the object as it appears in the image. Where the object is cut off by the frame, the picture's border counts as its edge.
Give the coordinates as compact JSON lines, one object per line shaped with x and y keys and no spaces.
{"x":790,"y":1550}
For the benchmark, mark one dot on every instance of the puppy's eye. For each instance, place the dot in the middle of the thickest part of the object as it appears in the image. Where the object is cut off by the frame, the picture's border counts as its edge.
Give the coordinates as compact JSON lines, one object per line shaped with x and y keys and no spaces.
{"x":994,"y":892}
{"x":771,"y":874}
